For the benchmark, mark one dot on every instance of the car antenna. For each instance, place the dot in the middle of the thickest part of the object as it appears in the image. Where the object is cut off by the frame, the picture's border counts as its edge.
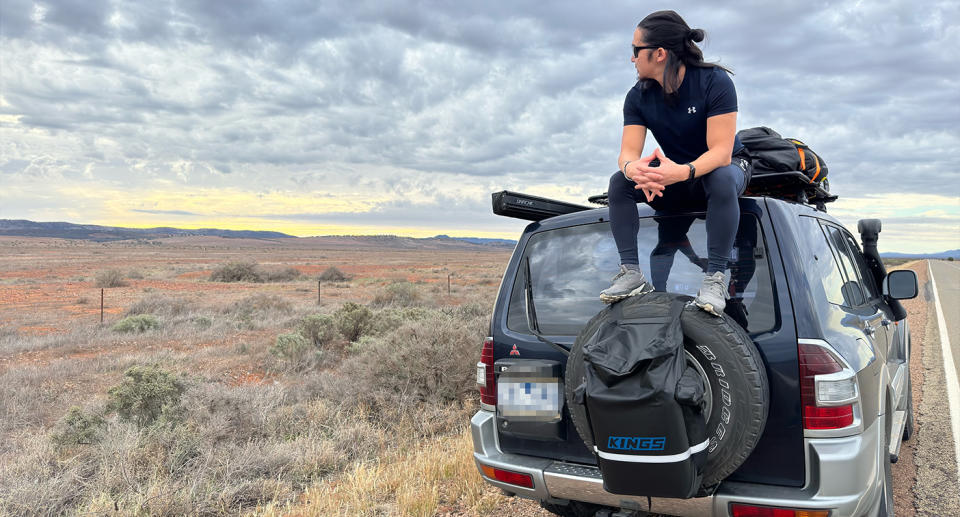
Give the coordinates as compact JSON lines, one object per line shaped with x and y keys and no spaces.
{"x":532,"y":323}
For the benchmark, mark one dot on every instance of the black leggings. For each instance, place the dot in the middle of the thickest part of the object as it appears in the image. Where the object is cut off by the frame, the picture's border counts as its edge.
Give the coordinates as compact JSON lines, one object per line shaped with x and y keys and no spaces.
{"x":716,"y":191}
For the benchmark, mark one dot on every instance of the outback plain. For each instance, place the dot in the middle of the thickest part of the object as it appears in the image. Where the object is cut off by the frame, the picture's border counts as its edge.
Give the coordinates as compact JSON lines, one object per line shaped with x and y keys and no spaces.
{"x":324,"y":376}
{"x":328,"y":376}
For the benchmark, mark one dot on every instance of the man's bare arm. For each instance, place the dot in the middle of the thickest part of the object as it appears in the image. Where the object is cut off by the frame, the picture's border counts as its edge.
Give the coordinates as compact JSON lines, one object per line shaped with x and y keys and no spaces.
{"x":631,"y":145}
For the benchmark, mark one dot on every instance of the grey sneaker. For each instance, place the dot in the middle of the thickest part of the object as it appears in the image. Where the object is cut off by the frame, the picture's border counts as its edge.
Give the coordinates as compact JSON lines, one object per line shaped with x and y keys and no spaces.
{"x":628,"y":282}
{"x":713,"y":294}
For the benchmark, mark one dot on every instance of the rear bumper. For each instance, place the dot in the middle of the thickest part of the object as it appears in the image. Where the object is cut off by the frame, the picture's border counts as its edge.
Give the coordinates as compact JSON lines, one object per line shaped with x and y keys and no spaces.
{"x":843,"y":475}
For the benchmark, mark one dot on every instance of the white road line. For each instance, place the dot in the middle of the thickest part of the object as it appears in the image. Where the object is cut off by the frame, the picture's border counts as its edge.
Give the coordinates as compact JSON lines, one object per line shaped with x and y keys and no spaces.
{"x":950,"y":369}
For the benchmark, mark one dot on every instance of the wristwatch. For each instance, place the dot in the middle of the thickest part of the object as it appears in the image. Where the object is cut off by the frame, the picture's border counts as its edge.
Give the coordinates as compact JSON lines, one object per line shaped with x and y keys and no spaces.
{"x":693,"y":171}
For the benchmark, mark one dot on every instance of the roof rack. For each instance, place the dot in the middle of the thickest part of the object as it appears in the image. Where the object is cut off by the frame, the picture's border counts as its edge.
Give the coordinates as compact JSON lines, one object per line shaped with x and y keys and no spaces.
{"x":792,"y":186}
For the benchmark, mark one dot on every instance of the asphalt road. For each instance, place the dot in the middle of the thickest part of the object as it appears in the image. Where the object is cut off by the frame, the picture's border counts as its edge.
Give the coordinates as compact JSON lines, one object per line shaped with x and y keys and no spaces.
{"x":947,"y":277}
{"x":937,"y":489}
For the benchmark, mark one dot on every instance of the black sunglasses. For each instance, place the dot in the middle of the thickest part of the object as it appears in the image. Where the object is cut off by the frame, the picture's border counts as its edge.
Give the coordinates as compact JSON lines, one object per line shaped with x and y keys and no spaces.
{"x":636,"y":49}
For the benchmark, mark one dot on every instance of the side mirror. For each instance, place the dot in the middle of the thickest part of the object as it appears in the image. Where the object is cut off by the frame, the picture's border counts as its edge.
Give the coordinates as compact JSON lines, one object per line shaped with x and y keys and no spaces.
{"x":901,"y":285}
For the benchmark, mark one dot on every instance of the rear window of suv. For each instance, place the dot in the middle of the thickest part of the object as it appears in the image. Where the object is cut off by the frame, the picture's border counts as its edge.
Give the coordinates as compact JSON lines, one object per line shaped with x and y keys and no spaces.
{"x":570,"y":266}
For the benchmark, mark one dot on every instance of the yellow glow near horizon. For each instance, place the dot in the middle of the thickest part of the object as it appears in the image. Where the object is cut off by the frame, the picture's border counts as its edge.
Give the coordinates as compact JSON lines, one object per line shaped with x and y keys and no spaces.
{"x":312,"y":230}
{"x":218,"y":208}
{"x":918,"y":223}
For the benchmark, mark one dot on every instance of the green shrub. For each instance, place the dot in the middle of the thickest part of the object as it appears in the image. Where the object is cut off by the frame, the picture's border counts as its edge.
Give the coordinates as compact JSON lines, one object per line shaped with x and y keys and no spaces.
{"x":403,"y":294}
{"x":295,"y":349}
{"x":389,"y":319}
{"x":146,"y":394}
{"x":254,"y":311}
{"x":471,"y":310}
{"x":77,"y":427}
{"x":259,"y":304}
{"x":246,"y":271}
{"x":110,"y":278}
{"x":318,"y":329}
{"x":138,"y":323}
{"x":423,"y":362}
{"x":414,"y":313}
{"x":281,"y":275}
{"x":353,"y":320}
{"x":332,"y":274}
{"x":159,"y":304}
{"x":202,"y":322}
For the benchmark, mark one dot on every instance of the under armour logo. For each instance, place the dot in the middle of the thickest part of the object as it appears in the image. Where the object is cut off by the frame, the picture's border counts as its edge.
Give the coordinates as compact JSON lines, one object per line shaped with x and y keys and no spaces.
{"x":692,"y":109}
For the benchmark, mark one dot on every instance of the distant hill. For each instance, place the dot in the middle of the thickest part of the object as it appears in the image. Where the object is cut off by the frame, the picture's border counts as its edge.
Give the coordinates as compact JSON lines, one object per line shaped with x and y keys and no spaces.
{"x":942,"y":255}
{"x":92,"y":232}
{"x":96,"y":233}
{"x":506,"y":243}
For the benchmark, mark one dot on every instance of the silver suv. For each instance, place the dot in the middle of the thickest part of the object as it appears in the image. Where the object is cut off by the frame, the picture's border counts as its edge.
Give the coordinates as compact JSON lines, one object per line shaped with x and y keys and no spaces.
{"x":821,"y":311}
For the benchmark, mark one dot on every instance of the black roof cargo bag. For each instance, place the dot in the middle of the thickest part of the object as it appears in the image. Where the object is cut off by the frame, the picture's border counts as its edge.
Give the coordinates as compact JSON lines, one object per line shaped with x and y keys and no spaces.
{"x":785,"y":168}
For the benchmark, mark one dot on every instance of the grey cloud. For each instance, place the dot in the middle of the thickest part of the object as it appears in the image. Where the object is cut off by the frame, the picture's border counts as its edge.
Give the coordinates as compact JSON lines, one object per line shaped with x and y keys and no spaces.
{"x":13,"y":166}
{"x":921,"y":220}
{"x":165,"y":212}
{"x":88,"y":16}
{"x":481,"y":89}
{"x":15,"y":20}
{"x":444,"y":212}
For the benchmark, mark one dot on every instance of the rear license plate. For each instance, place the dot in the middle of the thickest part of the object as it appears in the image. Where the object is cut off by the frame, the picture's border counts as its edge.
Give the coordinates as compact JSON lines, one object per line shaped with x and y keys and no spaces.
{"x":533,"y":398}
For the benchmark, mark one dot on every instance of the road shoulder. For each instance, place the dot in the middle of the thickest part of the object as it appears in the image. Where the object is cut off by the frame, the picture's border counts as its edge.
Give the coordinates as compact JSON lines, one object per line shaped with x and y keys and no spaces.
{"x":935,"y":456}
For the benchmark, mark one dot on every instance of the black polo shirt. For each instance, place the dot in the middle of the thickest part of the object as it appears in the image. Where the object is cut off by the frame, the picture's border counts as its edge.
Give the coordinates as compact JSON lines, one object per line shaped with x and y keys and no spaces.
{"x":680,"y":127}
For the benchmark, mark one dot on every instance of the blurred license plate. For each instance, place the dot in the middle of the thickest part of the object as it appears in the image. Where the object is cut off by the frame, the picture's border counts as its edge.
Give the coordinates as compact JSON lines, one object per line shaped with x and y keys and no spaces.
{"x":540,"y":398}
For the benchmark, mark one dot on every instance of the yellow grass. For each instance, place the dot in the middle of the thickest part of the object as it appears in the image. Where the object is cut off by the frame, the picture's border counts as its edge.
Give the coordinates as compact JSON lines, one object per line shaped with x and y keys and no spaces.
{"x":438,"y":476}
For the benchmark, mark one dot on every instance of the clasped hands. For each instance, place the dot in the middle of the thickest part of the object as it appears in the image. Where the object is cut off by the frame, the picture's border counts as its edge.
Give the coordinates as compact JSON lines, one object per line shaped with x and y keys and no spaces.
{"x":652,"y":180}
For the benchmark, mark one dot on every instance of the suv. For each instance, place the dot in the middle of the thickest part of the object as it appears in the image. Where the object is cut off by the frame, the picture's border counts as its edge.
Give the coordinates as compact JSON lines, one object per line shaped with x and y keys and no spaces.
{"x":822,"y":313}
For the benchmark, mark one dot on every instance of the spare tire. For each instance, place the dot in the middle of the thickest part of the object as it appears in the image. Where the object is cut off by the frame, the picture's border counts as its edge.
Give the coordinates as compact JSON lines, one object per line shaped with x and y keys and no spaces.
{"x":735,"y":383}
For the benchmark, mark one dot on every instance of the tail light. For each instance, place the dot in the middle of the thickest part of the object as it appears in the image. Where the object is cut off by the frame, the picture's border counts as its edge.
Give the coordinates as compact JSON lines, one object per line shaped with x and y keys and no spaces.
{"x":485,"y":378}
{"x":514,"y":478}
{"x":828,"y":389}
{"x":746,"y":510}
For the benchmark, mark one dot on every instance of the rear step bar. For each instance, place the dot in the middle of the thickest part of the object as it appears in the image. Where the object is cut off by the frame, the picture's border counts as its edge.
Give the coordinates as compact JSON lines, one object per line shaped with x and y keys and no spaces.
{"x":567,"y":481}
{"x":896,"y":434}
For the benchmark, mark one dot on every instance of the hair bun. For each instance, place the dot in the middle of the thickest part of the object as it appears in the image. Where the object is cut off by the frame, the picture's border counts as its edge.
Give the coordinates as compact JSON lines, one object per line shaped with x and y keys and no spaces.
{"x":696,"y":35}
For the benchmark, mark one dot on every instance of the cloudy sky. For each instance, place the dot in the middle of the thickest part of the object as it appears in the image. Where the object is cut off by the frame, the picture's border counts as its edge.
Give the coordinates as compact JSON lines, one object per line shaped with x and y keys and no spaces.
{"x":329,"y":117}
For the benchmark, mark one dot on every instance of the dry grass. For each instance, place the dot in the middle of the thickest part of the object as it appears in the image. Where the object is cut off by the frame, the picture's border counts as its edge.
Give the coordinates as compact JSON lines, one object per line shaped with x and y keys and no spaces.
{"x":249,"y":429}
{"x":439,"y":474}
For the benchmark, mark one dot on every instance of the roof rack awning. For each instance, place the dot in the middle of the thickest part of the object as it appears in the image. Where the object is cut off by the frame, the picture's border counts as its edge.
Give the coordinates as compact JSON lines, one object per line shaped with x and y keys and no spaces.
{"x":531,"y":208}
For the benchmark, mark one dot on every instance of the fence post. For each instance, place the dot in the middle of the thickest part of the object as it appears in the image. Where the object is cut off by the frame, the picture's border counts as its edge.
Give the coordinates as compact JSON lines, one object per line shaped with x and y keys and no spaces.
{"x":448,"y":283}
{"x":319,"y":282}
{"x":101,"y":306}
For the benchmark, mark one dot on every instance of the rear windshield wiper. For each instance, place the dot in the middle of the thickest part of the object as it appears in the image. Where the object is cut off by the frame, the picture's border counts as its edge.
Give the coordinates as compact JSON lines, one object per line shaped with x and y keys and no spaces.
{"x":532,"y":323}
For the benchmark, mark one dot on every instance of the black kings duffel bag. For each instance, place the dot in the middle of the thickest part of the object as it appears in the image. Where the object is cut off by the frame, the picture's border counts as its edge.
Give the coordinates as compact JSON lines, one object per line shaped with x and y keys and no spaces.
{"x":644,"y":403}
{"x":731,"y":371}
